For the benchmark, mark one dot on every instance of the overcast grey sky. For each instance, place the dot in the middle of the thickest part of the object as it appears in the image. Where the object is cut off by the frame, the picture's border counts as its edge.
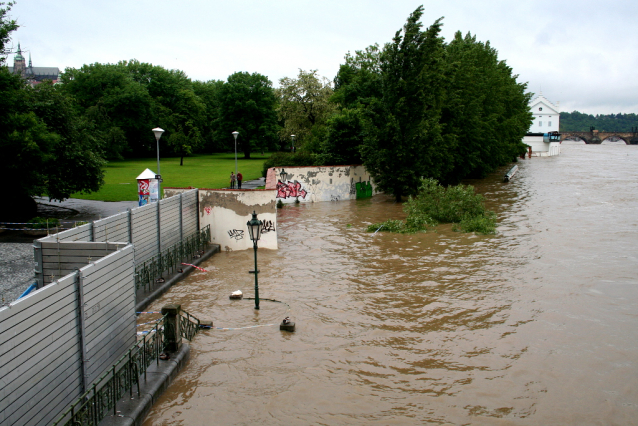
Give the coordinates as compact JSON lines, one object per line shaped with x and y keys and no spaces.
{"x":581,"y":53}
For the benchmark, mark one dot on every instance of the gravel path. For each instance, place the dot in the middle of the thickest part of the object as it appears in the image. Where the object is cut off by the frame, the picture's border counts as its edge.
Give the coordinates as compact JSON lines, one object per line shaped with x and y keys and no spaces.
{"x":16,"y":270}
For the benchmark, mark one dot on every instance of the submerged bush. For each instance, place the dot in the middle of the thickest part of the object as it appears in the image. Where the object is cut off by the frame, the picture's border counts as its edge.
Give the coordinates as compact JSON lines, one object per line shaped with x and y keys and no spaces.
{"x":436,"y":204}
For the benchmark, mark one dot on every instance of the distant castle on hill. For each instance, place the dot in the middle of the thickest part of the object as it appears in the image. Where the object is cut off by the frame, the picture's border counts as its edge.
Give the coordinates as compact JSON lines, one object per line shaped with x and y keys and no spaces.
{"x":33,"y":75}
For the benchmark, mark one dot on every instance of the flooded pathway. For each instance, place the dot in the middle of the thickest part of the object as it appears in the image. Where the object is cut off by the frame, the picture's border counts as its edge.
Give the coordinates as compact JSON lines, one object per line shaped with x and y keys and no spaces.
{"x":537,"y":325}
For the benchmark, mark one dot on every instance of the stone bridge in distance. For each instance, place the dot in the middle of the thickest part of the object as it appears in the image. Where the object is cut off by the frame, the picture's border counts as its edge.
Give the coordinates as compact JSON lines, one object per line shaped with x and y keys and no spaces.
{"x":596,"y":137}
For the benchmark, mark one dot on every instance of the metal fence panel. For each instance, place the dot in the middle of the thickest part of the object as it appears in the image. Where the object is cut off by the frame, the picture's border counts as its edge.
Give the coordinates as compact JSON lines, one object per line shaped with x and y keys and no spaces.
{"x":112,"y":228}
{"x":62,"y":258}
{"x":39,"y":356}
{"x":80,"y":233}
{"x":109,"y":299}
{"x":170,"y":222}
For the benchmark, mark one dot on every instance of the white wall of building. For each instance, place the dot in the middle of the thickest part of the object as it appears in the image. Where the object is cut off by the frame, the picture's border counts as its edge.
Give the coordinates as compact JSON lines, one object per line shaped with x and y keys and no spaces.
{"x":546,"y":115}
{"x":540,"y":148}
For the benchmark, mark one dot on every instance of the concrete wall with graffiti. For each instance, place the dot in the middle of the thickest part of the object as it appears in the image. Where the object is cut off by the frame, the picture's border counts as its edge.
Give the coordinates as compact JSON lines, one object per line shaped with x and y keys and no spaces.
{"x":227,"y":212}
{"x":321,"y":183}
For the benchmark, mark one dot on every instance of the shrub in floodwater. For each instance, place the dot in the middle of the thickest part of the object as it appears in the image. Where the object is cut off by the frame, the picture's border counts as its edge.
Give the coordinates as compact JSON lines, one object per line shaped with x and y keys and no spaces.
{"x":435,"y":204}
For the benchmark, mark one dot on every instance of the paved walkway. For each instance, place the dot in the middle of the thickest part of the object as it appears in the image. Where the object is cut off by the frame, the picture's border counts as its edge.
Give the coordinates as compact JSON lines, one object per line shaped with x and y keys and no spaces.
{"x":252,"y":184}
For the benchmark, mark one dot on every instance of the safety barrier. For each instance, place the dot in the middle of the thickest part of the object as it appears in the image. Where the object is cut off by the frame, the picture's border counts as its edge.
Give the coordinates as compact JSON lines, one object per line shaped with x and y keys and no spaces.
{"x":148,"y":273}
{"x":101,"y":398}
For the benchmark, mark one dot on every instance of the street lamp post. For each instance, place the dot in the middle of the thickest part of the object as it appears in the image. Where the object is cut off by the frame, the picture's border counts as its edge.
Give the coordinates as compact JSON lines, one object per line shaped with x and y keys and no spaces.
{"x":235,"y":134}
{"x":255,"y":227}
{"x":292,"y":148}
{"x":158,"y":134}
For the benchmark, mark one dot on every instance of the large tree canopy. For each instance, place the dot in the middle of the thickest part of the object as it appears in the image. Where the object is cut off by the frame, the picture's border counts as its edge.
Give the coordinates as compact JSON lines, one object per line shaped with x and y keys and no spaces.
{"x":423,"y":108}
{"x":403,"y":134}
{"x":247,"y":105}
{"x":128,"y":99}
{"x":47,"y":148}
{"x":304,"y":107}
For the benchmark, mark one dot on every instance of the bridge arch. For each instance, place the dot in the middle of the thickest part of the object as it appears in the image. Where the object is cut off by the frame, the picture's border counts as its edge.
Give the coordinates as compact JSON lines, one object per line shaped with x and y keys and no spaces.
{"x":607,"y":139}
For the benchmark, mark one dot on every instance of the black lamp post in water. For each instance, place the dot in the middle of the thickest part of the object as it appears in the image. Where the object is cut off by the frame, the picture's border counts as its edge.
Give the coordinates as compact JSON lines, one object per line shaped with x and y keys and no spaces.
{"x":255,"y":227}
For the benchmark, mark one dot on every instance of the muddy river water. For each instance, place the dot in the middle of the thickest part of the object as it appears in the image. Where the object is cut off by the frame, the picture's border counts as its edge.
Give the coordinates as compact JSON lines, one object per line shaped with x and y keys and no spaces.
{"x":536,"y":325}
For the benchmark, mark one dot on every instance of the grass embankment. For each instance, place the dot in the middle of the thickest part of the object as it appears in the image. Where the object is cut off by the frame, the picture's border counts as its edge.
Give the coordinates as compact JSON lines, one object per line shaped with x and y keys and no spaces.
{"x":199,"y":171}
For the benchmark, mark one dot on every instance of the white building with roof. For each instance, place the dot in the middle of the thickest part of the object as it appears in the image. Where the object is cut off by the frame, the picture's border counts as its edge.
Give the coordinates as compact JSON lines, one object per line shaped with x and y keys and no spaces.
{"x":546,"y":122}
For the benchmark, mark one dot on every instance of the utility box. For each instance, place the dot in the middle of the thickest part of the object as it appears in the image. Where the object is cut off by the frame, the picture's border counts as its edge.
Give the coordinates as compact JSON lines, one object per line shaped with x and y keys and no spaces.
{"x":147,"y":188}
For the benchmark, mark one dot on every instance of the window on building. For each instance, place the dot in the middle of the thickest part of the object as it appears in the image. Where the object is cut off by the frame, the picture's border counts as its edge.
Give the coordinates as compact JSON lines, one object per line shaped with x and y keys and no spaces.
{"x":549,"y":124}
{"x":540,"y":124}
{"x":540,"y":109}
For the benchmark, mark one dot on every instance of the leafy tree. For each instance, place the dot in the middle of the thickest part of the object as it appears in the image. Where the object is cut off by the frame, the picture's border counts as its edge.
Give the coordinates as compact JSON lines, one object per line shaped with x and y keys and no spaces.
{"x":403,"y":134}
{"x":359,"y":79}
{"x":576,"y":121}
{"x":247,"y":104}
{"x":344,"y":134}
{"x":485,"y":114}
{"x":304,"y":107}
{"x":208,"y":93}
{"x":7,"y":26}
{"x":128,"y":99}
{"x":357,"y":85}
{"x":48,"y":149}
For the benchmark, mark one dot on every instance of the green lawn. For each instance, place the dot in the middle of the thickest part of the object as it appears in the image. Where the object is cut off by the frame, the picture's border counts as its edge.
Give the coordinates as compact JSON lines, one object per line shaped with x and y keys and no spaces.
{"x":199,"y":171}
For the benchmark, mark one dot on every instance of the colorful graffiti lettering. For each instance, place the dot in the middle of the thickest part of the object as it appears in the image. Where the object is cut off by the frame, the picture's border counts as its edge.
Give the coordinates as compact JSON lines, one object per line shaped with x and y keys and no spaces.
{"x":236,"y":234}
{"x":268,"y":226}
{"x":290,"y":189}
{"x":208,"y":210}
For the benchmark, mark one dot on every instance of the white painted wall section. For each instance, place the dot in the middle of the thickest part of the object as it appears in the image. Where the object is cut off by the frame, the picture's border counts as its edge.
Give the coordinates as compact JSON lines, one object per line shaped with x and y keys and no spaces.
{"x":317,"y":183}
{"x":228,"y":211}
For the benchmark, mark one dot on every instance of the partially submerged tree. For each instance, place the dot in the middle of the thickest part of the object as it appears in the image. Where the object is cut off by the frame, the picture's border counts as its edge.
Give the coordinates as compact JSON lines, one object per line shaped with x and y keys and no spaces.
{"x":404,"y":138}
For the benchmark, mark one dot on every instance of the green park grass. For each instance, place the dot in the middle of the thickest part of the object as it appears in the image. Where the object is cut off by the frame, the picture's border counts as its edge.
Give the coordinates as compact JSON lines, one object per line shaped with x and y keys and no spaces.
{"x":199,"y":171}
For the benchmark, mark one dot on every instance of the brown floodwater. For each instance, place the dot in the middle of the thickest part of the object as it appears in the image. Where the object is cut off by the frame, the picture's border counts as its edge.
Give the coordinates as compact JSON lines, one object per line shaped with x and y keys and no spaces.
{"x":536,"y":325}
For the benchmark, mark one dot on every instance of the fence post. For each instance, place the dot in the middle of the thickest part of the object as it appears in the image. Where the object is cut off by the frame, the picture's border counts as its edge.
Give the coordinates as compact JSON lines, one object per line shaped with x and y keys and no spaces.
{"x":79,"y":286}
{"x":159,"y":231}
{"x":92,"y":231}
{"x":197,"y":207}
{"x":39,"y":267}
{"x":130,"y":226}
{"x":181,"y":220}
{"x":172,"y":333}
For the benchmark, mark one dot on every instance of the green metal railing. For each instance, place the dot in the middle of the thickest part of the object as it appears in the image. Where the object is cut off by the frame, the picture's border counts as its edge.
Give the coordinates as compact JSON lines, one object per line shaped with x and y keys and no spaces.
{"x":147,"y":274}
{"x":103,"y":394}
{"x":95,"y":404}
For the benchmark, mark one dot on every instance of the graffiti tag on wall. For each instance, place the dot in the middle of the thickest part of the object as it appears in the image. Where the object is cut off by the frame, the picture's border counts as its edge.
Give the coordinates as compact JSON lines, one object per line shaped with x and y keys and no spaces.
{"x":208,"y":210}
{"x":268,"y":226}
{"x":290,"y":189}
{"x":236,"y":234}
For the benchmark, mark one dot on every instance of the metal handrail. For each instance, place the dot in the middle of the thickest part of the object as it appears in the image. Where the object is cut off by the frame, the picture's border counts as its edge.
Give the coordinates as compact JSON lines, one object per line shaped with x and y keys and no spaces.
{"x":94,"y":405}
{"x":147,"y":274}
{"x":90,"y":408}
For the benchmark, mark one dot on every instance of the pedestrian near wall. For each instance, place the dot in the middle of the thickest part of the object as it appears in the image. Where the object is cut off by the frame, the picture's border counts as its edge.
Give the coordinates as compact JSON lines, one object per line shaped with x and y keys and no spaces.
{"x":232,"y":180}
{"x":239,"y":179}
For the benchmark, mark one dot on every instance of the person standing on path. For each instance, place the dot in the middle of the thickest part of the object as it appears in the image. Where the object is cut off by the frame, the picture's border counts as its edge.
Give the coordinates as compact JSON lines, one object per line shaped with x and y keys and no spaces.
{"x":232,"y":180}
{"x":239,"y":179}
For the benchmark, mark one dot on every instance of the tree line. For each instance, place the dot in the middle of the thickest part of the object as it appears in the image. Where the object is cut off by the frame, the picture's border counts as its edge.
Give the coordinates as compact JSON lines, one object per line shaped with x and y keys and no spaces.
{"x":416,"y":107}
{"x":580,"y":122}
